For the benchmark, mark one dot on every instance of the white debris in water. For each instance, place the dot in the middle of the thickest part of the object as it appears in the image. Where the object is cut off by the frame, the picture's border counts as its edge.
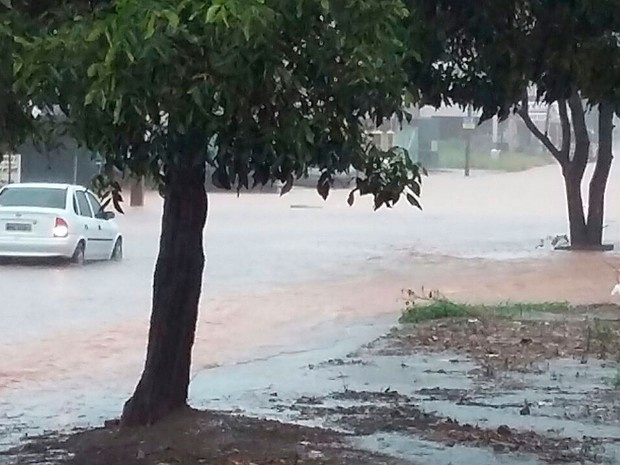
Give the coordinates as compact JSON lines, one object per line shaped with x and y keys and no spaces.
{"x":554,"y":242}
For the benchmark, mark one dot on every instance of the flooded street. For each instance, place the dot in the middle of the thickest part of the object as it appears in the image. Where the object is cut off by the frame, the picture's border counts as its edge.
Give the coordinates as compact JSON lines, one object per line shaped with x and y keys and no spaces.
{"x":284,"y":275}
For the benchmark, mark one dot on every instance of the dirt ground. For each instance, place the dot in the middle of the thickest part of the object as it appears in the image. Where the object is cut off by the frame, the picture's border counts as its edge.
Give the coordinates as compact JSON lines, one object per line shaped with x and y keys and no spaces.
{"x":198,"y":437}
{"x":556,"y":371}
{"x":520,"y":343}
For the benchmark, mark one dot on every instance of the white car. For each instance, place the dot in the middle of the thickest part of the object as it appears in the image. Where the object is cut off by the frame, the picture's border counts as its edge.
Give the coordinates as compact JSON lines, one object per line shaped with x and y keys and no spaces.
{"x":56,"y":220}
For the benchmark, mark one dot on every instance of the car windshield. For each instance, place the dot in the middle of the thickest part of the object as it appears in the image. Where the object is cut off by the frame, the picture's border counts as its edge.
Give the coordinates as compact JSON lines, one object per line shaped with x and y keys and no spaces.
{"x":43,"y":197}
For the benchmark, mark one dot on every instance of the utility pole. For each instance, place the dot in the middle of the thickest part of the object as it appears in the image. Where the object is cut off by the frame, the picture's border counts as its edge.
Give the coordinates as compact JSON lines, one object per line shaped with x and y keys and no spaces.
{"x":468,"y":128}
{"x":75,"y":168}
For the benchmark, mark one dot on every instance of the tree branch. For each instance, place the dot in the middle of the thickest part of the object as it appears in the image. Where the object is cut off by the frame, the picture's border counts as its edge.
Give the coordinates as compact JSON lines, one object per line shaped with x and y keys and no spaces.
{"x":582,"y":139}
{"x":566,"y":131}
{"x":524,"y":113}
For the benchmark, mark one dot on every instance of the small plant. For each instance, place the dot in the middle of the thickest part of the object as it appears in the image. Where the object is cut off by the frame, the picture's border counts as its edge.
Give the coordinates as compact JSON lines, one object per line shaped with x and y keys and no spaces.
{"x":435,"y":310}
{"x":432,"y":305}
{"x":605,"y":337}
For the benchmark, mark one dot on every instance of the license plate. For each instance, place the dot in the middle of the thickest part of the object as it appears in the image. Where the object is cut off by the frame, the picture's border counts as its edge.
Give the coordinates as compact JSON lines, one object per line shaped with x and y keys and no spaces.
{"x":21,"y":227}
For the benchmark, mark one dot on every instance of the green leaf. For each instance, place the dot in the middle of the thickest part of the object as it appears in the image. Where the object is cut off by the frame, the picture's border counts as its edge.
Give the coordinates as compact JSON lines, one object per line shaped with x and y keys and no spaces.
{"x":150,"y":27}
{"x":325,"y":5}
{"x":21,"y":41}
{"x":92,"y":70}
{"x":173,"y":18}
{"x":94,"y":34}
{"x":413,"y":201}
{"x":17,"y":66}
{"x":416,"y":55}
{"x":351,"y":198}
{"x":90,"y":97}
{"x":246,"y":27}
{"x":212,"y":12}
{"x":324,"y":184}
{"x":117,"y":110}
{"x":309,"y":135}
{"x":286,"y":188}
{"x":415,"y":187}
{"x":104,"y":100}
{"x":6,"y":3}
{"x":109,"y":56}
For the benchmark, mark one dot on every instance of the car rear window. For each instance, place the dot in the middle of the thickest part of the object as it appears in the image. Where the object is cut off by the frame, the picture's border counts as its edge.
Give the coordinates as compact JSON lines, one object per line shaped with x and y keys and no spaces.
{"x":43,"y":197}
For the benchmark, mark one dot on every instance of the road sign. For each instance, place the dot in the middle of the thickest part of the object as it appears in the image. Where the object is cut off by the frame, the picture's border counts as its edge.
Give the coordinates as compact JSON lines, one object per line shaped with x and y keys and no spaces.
{"x":469,"y":123}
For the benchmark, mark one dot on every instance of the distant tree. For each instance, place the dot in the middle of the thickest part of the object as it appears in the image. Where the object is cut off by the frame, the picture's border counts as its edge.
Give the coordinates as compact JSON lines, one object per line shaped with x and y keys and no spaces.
{"x":260,"y":90}
{"x":488,"y":53}
{"x":15,"y":121}
{"x":18,"y":18}
{"x":575,"y":50}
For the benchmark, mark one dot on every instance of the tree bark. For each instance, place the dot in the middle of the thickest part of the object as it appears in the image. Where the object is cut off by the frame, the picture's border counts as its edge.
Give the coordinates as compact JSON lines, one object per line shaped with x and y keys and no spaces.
{"x":598,"y":183}
{"x":177,"y":284}
{"x":574,"y":200}
{"x":582,"y":138}
{"x":574,"y":172}
{"x":136,"y":196}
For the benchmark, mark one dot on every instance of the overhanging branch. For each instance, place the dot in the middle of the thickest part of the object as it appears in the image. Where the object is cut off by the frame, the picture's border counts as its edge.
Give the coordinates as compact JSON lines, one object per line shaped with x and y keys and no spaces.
{"x":524,"y":113}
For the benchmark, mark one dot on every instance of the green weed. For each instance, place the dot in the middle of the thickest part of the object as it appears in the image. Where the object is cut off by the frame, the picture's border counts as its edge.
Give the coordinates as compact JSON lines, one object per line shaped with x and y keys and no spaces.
{"x":422,"y":307}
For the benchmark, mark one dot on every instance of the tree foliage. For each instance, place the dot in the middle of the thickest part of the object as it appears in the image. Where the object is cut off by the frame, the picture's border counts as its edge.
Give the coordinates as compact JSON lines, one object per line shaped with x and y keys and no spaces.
{"x":15,"y":122}
{"x":261,"y":90}
{"x":18,"y":19}
{"x":488,"y":53}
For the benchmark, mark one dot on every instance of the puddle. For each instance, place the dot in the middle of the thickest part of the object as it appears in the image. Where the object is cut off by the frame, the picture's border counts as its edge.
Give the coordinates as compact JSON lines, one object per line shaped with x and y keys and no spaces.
{"x":427,"y":452}
{"x":64,"y":406}
{"x":356,"y":392}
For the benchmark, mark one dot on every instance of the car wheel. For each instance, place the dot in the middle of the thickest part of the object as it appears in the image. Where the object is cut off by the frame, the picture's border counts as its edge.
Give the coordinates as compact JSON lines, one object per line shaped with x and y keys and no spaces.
{"x":78,"y":255}
{"x":117,"y":251}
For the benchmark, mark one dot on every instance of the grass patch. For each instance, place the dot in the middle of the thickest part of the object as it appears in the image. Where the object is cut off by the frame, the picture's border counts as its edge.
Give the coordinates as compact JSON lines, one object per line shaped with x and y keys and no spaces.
{"x":513,"y":309}
{"x":437,"y":309}
{"x":452,"y":156}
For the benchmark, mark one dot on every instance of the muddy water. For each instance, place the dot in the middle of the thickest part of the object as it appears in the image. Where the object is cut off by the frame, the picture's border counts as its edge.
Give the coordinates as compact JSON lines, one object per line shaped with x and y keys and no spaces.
{"x":72,"y":341}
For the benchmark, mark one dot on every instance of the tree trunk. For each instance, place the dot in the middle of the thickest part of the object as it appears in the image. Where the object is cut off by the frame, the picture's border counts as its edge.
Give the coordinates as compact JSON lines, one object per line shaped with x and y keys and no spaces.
{"x":574,"y":201}
{"x":136,"y":196}
{"x":574,"y":171}
{"x":177,"y":284}
{"x":584,"y":235}
{"x":598,"y":183}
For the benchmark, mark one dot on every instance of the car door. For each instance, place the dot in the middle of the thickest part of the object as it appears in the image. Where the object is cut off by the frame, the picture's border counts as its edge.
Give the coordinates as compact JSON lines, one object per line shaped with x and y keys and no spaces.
{"x":94,"y":247}
{"x":106,"y":231}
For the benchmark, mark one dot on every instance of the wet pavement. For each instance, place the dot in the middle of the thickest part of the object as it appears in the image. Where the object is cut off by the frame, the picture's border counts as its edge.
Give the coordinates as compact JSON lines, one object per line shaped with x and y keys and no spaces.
{"x":280,"y":278}
{"x":386,"y":402}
